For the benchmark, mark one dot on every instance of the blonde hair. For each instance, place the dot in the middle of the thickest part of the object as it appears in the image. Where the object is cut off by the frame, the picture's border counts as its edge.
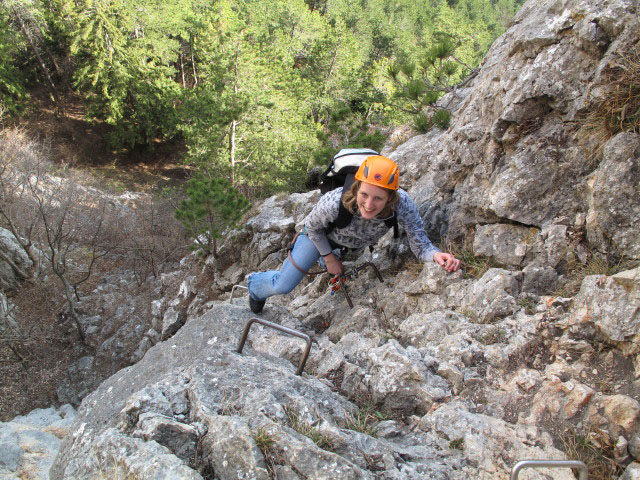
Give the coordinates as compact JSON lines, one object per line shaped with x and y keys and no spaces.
{"x":350,"y":201}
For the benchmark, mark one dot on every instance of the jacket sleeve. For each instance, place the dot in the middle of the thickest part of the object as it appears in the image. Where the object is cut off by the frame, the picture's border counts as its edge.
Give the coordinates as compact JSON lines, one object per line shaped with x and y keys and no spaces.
{"x":323,"y":213}
{"x":410,"y":220}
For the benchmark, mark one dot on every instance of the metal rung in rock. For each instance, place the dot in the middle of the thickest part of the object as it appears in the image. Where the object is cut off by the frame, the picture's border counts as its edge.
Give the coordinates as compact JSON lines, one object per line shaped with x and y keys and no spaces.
{"x":583,"y":475}
{"x":290,"y":331}
{"x":233,"y":290}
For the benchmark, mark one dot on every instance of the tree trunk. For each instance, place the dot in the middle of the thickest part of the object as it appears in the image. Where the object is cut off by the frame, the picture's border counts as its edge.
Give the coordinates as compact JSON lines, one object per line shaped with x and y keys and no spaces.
{"x":193,"y":64}
{"x":232,"y":150}
{"x":36,"y":52}
{"x":71,"y":302}
{"x":234,"y":125}
{"x":182,"y":69}
{"x":54,"y":62}
{"x":333,"y":62}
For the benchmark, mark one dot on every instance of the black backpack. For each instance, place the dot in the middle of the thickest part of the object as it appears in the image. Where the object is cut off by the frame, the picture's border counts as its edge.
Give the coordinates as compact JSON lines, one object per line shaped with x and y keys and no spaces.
{"x":340,"y":173}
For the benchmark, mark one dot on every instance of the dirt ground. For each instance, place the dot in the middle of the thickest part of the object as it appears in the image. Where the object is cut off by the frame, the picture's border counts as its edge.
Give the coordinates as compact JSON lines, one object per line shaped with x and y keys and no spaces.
{"x":32,"y":369}
{"x":77,"y":142}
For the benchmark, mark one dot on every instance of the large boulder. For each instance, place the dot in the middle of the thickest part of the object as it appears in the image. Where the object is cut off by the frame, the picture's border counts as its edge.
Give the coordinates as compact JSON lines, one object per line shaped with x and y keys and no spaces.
{"x":193,"y":405}
{"x":30,"y":442}
{"x":611,"y":305}
{"x":614,"y":203}
{"x":513,"y":154}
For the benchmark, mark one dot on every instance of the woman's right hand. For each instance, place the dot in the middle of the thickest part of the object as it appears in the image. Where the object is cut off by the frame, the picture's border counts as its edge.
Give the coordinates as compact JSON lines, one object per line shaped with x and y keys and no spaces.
{"x":334,"y":265}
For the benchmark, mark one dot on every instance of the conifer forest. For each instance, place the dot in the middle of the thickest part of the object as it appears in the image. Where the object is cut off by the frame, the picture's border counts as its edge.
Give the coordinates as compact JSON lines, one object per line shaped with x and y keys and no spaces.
{"x":257,"y":91}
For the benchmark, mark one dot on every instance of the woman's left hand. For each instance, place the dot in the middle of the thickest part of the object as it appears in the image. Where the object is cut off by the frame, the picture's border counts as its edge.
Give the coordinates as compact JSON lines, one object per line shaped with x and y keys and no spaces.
{"x":446,"y":260}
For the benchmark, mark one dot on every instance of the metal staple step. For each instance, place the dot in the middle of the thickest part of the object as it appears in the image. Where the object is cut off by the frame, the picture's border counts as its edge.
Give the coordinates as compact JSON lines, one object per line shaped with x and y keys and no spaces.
{"x":583,"y":475}
{"x":290,"y":331}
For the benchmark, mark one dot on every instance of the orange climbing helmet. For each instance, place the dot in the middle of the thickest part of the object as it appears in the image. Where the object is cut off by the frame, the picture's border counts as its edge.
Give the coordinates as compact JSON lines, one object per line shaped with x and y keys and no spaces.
{"x":380,"y":171}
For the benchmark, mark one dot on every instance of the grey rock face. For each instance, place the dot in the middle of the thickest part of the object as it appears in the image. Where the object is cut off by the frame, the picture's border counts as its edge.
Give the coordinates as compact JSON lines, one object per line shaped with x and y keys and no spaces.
{"x":539,"y":280}
{"x":632,"y":472}
{"x":614,"y":202}
{"x":507,"y":244}
{"x":192,"y":404}
{"x":10,"y":247}
{"x":29,"y":443}
{"x":512,"y":152}
{"x":634,"y":446}
{"x":81,"y":380}
{"x":493,"y":296}
{"x":612,"y":305}
{"x":460,"y":429}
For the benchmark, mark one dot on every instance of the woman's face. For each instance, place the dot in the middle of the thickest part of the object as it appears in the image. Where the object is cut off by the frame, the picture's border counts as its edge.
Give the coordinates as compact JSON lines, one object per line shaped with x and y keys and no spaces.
{"x":371,"y":200}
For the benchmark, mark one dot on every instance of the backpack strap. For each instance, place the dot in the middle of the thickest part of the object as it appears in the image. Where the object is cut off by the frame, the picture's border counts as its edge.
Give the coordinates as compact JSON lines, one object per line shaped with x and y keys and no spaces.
{"x":393,"y":222}
{"x":343,"y":219}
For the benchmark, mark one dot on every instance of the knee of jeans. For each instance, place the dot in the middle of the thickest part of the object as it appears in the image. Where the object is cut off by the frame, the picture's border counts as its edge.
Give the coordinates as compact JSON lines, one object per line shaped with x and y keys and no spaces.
{"x":284,"y":288}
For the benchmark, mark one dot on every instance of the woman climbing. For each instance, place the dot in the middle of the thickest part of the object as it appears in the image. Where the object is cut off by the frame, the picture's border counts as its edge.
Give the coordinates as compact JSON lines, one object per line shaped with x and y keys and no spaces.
{"x":372,"y":203}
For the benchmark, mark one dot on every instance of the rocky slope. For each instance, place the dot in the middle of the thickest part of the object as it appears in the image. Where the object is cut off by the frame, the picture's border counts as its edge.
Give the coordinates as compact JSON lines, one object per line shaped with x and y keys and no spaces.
{"x":429,"y":375}
{"x":29,"y":443}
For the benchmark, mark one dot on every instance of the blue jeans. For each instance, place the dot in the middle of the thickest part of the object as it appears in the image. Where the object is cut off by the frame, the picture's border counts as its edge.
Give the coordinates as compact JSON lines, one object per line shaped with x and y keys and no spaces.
{"x":278,"y":282}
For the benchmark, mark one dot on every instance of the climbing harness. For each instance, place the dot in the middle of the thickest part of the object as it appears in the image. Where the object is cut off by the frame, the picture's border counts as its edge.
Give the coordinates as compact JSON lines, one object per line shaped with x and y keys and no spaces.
{"x":583,"y":475}
{"x":290,"y":331}
{"x":289,"y":249}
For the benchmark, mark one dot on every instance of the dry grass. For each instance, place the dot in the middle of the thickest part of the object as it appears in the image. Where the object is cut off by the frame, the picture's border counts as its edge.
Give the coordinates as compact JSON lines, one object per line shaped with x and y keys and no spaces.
{"x":364,"y":420}
{"x":618,"y":109}
{"x":265,"y":442}
{"x":115,"y":470}
{"x":473,"y":266}
{"x":457,"y":444}
{"x":597,"y":458}
{"x":596,"y":265}
{"x":308,"y":430}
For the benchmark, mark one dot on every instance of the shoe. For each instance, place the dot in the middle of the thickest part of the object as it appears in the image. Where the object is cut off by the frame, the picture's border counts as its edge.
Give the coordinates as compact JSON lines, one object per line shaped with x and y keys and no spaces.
{"x":256,"y":306}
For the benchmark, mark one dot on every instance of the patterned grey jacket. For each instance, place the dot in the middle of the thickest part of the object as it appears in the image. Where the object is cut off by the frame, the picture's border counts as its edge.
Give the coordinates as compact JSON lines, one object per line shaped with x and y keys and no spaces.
{"x":362,"y":232}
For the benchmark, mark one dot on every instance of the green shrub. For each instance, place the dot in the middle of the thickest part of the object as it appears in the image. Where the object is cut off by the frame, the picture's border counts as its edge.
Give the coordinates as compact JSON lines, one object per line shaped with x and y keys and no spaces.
{"x":442,"y":119}
{"x":422,"y":123}
{"x":212,"y":205}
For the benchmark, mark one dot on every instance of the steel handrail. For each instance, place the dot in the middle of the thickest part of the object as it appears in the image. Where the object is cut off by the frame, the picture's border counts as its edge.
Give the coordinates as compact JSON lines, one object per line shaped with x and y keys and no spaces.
{"x":290,"y":331}
{"x":583,"y":475}
{"x":354,"y":273}
{"x":369,"y":264}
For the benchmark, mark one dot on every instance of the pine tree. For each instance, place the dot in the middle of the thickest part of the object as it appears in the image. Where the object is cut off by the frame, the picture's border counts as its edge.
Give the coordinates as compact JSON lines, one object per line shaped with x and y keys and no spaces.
{"x":12,"y":90}
{"x":212,"y":205}
{"x":250,"y":115}
{"x":125,"y":67}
